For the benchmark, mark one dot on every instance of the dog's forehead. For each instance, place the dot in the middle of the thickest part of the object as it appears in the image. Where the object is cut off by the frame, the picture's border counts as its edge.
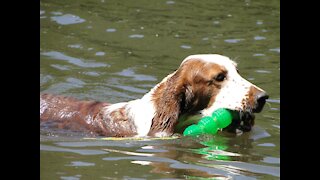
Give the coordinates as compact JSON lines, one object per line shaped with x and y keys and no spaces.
{"x":212,"y":58}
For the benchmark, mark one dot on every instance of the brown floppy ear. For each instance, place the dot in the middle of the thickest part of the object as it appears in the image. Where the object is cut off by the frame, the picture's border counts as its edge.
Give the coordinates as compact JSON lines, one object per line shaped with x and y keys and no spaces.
{"x":187,"y":99}
{"x":168,"y":98}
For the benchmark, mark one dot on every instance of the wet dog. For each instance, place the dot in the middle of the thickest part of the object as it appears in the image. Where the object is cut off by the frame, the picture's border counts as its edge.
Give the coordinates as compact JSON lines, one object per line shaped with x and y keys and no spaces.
{"x":201,"y":84}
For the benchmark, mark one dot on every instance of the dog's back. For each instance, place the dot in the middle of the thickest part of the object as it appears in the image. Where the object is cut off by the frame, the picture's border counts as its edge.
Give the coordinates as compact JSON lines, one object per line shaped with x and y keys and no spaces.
{"x":67,"y":112}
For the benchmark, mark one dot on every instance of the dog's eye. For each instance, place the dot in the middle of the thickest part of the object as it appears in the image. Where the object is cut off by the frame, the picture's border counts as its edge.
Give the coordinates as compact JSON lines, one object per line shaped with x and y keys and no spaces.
{"x":220,"y":77}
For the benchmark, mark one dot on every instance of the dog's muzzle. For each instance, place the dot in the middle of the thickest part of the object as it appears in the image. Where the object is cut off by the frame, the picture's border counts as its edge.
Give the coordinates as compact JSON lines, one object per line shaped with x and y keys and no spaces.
{"x":245,"y":120}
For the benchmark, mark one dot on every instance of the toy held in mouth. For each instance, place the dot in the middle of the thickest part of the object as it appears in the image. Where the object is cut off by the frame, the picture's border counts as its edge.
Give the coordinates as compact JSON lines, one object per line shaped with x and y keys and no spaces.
{"x":220,"y":119}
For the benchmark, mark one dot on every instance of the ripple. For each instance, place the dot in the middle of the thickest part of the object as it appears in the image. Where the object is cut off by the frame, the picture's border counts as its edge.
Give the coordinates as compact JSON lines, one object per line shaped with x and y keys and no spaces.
{"x":216,"y":22}
{"x":144,"y":163}
{"x":185,"y":47}
{"x":259,"y":22}
{"x":94,"y":144}
{"x":56,"y":13}
{"x":62,"y":87}
{"x":173,"y":163}
{"x":267,"y":145}
{"x":60,"y":67}
{"x":91,"y":73}
{"x":100,"y":53}
{"x":72,"y":60}
{"x":136,"y":36}
{"x":273,"y":100}
{"x":205,"y":39}
{"x":275,"y":50}
{"x":259,"y":54}
{"x":77,"y":46}
{"x":276,"y":126}
{"x":257,"y":38}
{"x":45,"y":78}
{"x":76,"y":177}
{"x":81,"y":163}
{"x":263,"y":71}
{"x":129,"y":88}
{"x":170,"y":2}
{"x":76,"y":82}
{"x":233,"y":40}
{"x":67,"y":19}
{"x":111,"y":30}
{"x":77,"y":151}
{"x":139,"y":77}
{"x":271,"y":160}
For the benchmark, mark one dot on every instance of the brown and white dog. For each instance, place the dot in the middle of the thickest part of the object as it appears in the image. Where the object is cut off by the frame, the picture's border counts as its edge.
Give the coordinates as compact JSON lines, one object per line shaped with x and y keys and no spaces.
{"x":202,"y":84}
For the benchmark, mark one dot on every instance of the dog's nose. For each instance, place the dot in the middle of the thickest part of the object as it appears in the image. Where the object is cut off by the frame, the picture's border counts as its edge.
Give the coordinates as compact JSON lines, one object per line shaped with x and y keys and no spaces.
{"x":261,"y":100}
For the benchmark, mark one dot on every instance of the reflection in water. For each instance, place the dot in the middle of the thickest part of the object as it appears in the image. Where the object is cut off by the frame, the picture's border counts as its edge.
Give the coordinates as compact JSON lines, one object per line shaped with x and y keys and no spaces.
{"x":214,"y":150}
{"x":206,"y":156}
{"x":202,"y":156}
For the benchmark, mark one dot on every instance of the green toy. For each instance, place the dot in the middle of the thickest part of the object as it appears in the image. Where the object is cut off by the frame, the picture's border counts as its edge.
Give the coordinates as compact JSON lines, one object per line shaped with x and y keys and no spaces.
{"x":220,"y":118}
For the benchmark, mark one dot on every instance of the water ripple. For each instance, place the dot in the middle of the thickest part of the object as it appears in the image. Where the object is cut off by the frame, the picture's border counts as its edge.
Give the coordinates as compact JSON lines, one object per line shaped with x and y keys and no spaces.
{"x":129,"y":72}
{"x":259,"y":54}
{"x":185,"y":47}
{"x":275,"y":50}
{"x":136,"y":36}
{"x":170,"y":2}
{"x":100,"y":53}
{"x":77,"y":46}
{"x":77,"y":151}
{"x":233,"y":40}
{"x":67,"y":19}
{"x":80,"y":163}
{"x":173,"y":163}
{"x":262,"y":71}
{"x":111,"y":30}
{"x":271,"y":160}
{"x":78,"y":62}
{"x":259,"y":38}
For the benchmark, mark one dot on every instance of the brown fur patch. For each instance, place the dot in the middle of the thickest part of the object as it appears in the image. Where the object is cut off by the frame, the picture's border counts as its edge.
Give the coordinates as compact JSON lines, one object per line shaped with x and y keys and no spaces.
{"x":190,"y":89}
{"x":85,"y":116}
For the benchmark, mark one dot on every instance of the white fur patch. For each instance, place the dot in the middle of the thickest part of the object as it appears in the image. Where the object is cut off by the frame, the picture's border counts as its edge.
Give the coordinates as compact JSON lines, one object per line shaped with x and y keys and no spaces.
{"x":213,"y":58}
{"x":143,"y":110}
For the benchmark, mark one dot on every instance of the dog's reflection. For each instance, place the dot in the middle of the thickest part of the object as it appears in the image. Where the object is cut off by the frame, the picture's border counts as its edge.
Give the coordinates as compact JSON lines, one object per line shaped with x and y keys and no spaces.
{"x":204,"y":157}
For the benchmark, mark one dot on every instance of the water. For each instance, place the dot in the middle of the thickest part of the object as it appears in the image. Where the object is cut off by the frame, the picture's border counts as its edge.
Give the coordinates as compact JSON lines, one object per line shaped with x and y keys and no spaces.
{"x":115,"y":51}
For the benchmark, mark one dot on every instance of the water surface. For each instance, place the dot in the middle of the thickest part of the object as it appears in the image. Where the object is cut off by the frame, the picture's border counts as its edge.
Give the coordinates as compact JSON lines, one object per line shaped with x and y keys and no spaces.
{"x":111,"y":50}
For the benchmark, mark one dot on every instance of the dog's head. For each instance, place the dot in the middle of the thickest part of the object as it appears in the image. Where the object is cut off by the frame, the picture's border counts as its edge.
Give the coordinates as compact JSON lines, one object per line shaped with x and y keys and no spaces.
{"x":204,"y":83}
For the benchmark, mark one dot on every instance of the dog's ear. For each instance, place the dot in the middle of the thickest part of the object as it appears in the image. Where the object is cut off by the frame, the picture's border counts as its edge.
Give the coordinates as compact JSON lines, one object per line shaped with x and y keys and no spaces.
{"x":196,"y":97}
{"x":169,"y":99}
{"x":187,"y":97}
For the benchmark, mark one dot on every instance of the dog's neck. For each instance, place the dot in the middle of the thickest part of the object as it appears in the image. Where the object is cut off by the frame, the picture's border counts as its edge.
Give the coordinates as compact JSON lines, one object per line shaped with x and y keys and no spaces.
{"x":156,"y":113}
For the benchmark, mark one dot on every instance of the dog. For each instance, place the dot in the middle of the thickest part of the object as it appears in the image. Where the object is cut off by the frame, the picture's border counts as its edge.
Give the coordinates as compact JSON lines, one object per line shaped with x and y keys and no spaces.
{"x":201,"y":84}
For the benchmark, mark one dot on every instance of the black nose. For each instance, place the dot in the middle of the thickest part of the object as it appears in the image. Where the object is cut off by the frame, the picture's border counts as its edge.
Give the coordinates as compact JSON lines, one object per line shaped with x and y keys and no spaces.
{"x":261,"y":100}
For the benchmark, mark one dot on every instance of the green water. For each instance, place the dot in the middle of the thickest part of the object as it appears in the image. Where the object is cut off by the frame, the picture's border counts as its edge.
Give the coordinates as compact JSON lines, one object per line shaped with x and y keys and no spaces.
{"x":112,"y":50}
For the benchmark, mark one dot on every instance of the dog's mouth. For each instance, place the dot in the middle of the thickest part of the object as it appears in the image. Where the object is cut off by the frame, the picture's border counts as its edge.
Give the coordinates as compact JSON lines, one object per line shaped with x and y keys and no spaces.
{"x":242,"y":123}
